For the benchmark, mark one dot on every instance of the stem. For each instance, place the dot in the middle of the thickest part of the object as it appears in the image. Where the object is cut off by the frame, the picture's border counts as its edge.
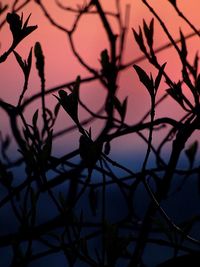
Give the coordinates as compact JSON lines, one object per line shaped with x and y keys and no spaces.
{"x":178,"y":144}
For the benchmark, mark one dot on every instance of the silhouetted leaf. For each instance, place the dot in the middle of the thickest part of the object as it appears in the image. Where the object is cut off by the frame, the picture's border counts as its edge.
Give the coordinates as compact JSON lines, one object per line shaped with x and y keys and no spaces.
{"x":24,"y":64}
{"x":19,"y":60}
{"x":183,"y":46}
{"x":26,"y":68}
{"x":144,"y":78}
{"x":176,"y":93}
{"x":173,"y":2}
{"x":19,"y":31}
{"x":15,"y":24}
{"x":151,"y":28}
{"x":26,"y":22}
{"x":121,"y":108}
{"x":56,"y":109}
{"x":149,"y":32}
{"x":139,"y":40}
{"x":159,"y":76}
{"x":39,"y":60}
{"x":70,"y":101}
{"x":76,"y":86}
{"x":90,"y":151}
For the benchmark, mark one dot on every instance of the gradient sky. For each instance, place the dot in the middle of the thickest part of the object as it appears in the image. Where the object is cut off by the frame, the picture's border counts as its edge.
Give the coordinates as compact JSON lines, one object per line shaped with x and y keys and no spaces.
{"x":61,"y":66}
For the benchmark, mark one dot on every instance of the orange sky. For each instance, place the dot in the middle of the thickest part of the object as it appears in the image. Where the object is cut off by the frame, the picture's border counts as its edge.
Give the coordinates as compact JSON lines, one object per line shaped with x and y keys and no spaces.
{"x":61,"y":66}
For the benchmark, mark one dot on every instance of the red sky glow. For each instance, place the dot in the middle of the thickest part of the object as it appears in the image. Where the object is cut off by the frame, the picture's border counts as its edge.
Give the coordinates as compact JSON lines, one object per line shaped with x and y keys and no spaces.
{"x":90,"y":39}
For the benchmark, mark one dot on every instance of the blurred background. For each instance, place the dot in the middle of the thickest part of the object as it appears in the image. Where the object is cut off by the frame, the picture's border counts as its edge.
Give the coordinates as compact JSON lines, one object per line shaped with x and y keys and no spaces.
{"x":62,"y":67}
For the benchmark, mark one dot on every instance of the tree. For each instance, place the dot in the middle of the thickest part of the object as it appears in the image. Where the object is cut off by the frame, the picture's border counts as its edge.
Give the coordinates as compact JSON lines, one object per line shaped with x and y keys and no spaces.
{"x":79,"y":224}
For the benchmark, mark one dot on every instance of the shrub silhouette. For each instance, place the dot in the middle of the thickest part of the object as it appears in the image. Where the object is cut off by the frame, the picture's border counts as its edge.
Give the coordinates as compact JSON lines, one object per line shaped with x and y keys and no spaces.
{"x":77,"y":225}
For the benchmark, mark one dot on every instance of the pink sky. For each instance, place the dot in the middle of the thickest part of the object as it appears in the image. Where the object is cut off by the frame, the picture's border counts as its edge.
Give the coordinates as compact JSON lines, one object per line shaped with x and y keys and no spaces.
{"x":61,"y":67}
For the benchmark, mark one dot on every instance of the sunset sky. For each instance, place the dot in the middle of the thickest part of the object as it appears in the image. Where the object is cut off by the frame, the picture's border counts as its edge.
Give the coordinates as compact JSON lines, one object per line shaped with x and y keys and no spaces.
{"x":90,"y":39}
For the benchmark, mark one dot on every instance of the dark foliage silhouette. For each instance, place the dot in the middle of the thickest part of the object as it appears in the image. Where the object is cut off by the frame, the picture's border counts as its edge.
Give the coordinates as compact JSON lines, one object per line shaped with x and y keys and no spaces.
{"x":79,"y":225}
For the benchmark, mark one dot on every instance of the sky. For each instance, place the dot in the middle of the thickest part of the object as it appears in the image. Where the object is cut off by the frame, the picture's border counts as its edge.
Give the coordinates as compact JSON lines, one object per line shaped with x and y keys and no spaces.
{"x":90,"y":39}
{"x":62,"y":67}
